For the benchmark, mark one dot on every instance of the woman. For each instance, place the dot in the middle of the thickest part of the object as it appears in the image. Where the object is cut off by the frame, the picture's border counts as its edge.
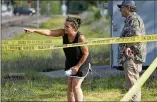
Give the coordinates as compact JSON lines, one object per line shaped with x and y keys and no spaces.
{"x":77,"y":58}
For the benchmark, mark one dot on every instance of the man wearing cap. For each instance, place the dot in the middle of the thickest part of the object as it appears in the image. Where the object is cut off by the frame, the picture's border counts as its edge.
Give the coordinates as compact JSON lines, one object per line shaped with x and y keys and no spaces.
{"x":131,"y":55}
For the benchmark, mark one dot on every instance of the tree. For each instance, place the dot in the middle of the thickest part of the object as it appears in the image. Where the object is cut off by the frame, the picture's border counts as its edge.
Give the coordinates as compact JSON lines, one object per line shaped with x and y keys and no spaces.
{"x":95,"y":2}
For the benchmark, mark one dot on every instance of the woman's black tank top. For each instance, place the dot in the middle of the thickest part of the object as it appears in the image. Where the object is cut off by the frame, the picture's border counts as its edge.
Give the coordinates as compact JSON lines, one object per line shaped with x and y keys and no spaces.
{"x":73,"y":54}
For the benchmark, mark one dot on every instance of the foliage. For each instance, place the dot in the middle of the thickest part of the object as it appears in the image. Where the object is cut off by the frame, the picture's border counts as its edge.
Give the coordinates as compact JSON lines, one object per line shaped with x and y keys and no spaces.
{"x":50,"y":7}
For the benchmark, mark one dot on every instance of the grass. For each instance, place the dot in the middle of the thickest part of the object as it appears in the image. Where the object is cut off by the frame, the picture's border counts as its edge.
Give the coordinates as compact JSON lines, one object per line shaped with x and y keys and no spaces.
{"x":53,"y":59}
{"x":35,"y":87}
{"x":41,"y":88}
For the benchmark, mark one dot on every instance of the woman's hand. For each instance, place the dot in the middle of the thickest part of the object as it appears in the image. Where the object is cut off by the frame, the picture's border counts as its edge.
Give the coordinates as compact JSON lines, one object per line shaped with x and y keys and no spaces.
{"x":28,"y":30}
{"x":74,"y":70}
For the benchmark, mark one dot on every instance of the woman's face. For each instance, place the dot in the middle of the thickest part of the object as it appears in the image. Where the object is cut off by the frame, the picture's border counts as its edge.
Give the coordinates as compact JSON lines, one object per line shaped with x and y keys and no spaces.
{"x":68,"y":28}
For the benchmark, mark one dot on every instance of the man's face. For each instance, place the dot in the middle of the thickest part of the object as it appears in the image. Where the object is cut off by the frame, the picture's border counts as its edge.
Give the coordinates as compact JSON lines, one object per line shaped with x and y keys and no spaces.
{"x":124,"y":11}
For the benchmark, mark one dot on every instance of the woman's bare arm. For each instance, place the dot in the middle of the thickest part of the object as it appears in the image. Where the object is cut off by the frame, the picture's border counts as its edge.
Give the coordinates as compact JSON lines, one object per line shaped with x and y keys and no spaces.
{"x":46,"y":32}
{"x":84,"y":50}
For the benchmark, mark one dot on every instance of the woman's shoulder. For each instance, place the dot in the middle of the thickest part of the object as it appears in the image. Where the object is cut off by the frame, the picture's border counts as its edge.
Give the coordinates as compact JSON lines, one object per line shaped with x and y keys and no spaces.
{"x":81,"y":37}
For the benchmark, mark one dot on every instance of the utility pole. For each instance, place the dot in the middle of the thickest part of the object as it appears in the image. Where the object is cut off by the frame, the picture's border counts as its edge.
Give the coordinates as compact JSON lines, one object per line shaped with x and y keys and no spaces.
{"x":110,"y":12}
{"x":38,"y":13}
{"x":0,"y":17}
{"x":21,"y":3}
{"x":1,"y":30}
{"x":48,"y":8}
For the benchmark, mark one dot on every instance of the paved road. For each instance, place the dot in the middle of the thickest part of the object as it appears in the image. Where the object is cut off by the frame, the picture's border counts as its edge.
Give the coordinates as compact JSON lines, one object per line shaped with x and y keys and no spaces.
{"x":15,"y":28}
{"x":97,"y":71}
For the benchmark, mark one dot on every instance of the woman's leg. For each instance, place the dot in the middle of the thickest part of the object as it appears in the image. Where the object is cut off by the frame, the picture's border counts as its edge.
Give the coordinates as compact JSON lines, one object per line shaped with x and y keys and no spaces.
{"x":76,"y":85}
{"x":70,"y":94}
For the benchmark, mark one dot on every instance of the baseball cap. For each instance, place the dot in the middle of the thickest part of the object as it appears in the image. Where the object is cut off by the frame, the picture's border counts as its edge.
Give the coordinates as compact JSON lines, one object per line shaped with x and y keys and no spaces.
{"x":127,"y":3}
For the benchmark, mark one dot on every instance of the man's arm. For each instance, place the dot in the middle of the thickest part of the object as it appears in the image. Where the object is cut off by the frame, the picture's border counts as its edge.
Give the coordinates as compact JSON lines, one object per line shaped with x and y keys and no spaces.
{"x":136,"y":29}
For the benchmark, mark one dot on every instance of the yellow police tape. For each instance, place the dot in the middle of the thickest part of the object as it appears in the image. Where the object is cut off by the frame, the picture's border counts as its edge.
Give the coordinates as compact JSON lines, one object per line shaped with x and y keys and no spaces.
{"x":47,"y":44}
{"x":36,"y":42}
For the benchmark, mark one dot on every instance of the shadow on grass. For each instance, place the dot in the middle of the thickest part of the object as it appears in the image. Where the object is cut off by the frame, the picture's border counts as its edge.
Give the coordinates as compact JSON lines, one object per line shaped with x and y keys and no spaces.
{"x":99,"y":84}
{"x":50,"y":95}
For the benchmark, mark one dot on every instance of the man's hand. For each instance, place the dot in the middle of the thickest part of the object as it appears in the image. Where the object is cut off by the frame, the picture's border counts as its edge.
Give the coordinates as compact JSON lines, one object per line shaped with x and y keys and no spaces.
{"x":28,"y":30}
{"x":74,"y":70}
{"x":128,"y":51}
